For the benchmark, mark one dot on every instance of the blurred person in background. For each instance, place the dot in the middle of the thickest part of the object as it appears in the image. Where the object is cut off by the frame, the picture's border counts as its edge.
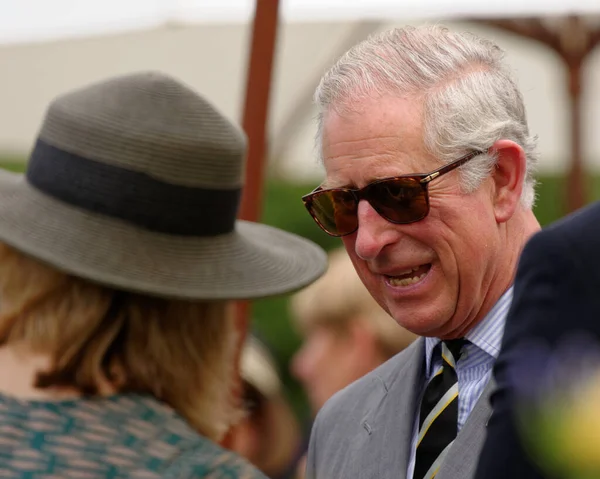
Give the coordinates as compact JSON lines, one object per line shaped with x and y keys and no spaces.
{"x":268,"y":434}
{"x":346,"y":333}
{"x":119,"y":254}
{"x":429,"y":182}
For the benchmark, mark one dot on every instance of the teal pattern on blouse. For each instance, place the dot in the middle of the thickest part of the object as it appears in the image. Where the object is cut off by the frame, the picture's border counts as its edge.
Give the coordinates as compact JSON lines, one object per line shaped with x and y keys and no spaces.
{"x":123,"y":436}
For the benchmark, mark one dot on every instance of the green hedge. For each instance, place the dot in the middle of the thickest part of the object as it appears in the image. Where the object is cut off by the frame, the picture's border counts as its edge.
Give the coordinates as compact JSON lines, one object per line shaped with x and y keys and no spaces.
{"x":283,"y":208}
{"x":12,"y":165}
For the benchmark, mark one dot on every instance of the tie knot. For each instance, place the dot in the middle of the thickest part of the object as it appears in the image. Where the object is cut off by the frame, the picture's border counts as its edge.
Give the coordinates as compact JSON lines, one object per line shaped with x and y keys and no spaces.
{"x":455,"y":347}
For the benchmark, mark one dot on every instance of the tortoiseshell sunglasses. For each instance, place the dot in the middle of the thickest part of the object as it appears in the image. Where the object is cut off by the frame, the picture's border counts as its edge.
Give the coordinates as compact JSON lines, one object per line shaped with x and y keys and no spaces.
{"x":400,"y":200}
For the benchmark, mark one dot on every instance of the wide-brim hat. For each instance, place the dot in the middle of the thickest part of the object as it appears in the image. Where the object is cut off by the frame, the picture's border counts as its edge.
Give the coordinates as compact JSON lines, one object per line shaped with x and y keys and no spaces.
{"x":134,"y":183}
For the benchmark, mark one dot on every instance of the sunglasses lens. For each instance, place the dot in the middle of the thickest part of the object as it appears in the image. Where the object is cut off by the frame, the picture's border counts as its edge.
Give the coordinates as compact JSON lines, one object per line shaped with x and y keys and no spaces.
{"x":398,"y":200}
{"x":335,"y":211}
{"x":401,"y":200}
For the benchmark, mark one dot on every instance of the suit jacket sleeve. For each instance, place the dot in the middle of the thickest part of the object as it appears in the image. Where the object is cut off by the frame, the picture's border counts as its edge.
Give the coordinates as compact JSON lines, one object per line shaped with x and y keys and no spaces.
{"x":552,"y":296}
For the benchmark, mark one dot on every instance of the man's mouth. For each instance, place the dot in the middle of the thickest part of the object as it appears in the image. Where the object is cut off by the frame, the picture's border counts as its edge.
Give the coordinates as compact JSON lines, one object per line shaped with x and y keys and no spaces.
{"x":410,"y":276}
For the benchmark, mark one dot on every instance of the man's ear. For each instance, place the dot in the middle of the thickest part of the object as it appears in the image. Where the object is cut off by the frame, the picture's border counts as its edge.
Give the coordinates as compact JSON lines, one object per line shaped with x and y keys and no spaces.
{"x":509,"y":177}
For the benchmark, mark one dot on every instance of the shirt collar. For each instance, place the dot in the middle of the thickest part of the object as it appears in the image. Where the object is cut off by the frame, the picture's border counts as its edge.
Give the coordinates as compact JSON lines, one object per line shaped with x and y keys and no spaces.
{"x":487,"y":335}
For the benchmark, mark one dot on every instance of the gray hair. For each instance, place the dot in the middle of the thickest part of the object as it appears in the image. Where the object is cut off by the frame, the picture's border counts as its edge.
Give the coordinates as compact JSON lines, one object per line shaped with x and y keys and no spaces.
{"x":470,"y":99}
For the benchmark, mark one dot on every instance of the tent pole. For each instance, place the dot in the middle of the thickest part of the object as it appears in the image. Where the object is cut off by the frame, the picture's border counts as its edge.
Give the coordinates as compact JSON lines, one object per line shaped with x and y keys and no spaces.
{"x":254,"y":123}
{"x":574,"y":41}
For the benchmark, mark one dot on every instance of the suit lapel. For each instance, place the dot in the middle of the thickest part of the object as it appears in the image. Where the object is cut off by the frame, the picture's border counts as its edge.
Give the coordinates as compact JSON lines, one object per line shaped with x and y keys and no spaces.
{"x":461,"y":461}
{"x":388,"y":424}
{"x":390,"y":420}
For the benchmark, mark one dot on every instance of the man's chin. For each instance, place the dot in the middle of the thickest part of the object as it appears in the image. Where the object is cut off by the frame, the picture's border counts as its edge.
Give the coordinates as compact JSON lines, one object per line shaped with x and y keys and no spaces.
{"x":424,"y":326}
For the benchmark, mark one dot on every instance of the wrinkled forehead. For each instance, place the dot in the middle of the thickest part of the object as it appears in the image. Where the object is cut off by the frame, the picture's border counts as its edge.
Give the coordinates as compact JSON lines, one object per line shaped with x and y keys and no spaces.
{"x":378,"y":139}
{"x":371,"y":118}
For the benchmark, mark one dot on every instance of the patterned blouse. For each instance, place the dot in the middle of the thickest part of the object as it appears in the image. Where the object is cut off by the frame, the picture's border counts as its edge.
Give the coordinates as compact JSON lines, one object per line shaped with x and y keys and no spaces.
{"x":123,"y":436}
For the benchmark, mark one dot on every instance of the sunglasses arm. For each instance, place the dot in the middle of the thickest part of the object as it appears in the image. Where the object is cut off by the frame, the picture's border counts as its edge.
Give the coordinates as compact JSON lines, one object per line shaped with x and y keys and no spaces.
{"x":430,"y":177}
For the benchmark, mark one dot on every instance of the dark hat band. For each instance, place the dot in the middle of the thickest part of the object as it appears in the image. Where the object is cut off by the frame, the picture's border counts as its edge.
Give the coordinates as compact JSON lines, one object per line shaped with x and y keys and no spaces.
{"x":130,"y":195}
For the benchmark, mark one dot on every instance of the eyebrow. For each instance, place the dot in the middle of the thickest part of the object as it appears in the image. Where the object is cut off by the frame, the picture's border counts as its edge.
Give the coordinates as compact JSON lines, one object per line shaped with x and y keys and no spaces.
{"x":375,"y":163}
{"x":325,"y":185}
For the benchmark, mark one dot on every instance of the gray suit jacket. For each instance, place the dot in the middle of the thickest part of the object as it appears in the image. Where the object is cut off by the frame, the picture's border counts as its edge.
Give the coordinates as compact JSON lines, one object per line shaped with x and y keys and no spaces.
{"x":365,"y":430}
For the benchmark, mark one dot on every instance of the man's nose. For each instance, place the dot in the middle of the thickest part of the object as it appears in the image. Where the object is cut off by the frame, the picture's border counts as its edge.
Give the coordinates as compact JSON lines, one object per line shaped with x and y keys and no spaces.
{"x":374,"y":232}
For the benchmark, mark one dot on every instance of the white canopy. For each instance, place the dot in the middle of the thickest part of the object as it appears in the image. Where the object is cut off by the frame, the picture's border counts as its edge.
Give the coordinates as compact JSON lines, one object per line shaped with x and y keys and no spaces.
{"x":42,"y":20}
{"x":209,"y":51}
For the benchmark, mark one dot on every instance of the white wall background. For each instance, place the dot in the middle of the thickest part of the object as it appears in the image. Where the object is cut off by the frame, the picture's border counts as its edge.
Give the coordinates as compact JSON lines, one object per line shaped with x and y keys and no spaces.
{"x":213,"y":59}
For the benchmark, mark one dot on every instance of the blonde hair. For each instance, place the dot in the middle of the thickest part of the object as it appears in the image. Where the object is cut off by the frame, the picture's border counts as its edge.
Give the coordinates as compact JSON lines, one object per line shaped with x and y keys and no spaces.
{"x":340,"y":297}
{"x":181,"y":352}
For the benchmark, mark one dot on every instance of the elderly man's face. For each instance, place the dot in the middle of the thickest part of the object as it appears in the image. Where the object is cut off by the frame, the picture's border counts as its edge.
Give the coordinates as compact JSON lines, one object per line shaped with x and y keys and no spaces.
{"x":432,"y":276}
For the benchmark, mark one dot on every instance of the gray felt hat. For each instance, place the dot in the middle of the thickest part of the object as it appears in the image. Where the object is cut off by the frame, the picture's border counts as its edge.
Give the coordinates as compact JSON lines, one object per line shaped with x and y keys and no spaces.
{"x":134,"y":183}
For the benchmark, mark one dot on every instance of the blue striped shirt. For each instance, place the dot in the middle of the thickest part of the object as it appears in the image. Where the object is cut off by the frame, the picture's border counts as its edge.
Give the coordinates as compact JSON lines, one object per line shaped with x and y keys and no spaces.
{"x":474,"y":368}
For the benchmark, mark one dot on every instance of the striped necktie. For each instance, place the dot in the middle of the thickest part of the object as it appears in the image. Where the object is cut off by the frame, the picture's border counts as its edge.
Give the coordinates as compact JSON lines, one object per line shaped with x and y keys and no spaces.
{"x":438,"y":418}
